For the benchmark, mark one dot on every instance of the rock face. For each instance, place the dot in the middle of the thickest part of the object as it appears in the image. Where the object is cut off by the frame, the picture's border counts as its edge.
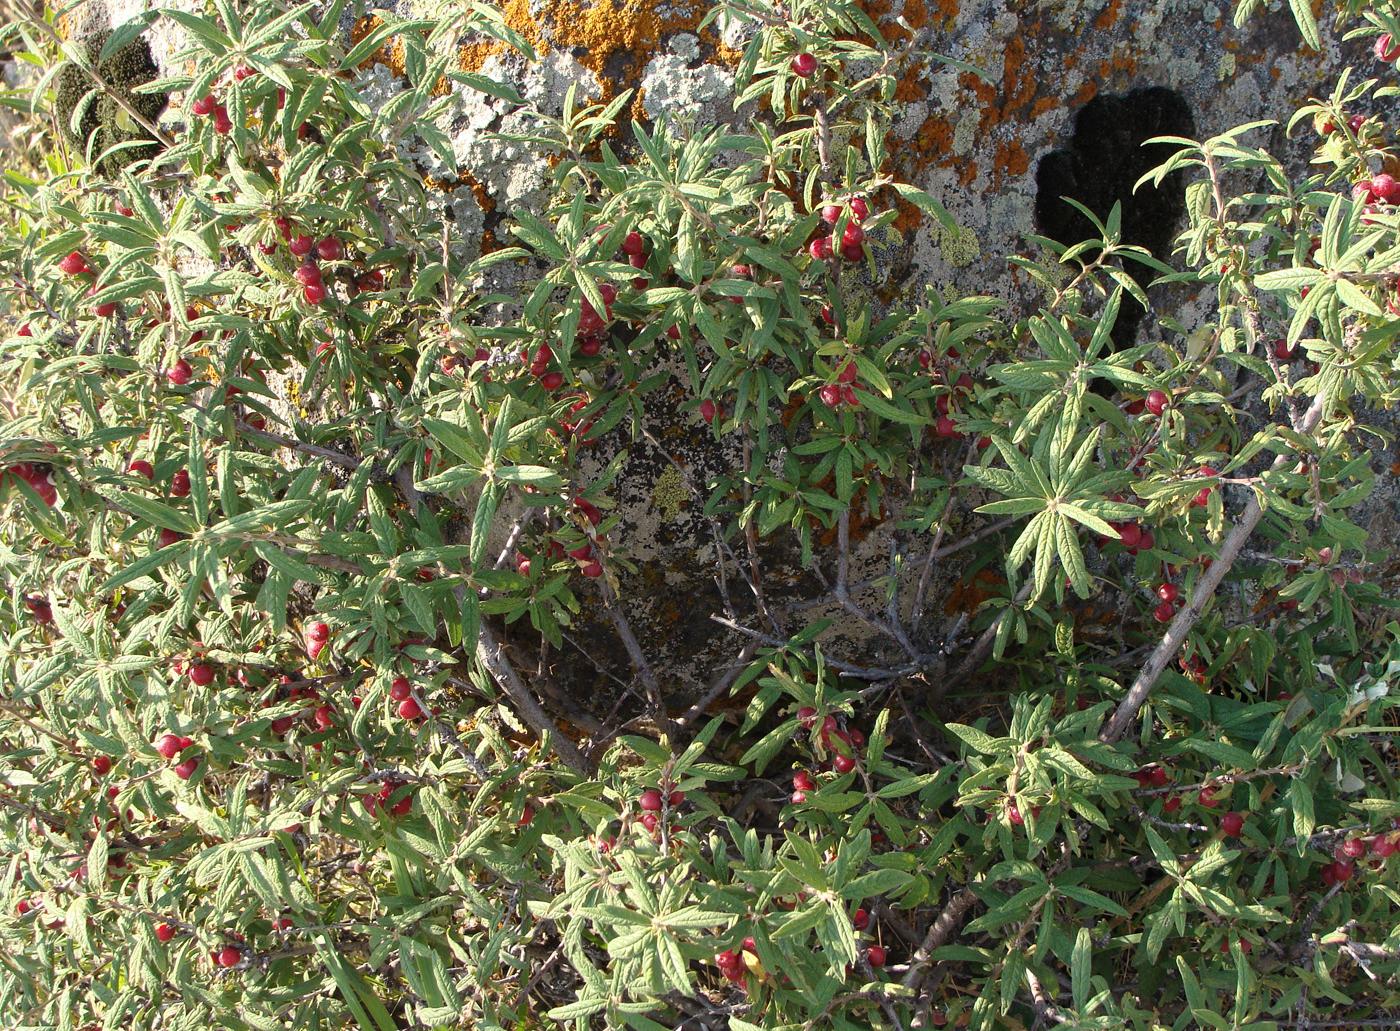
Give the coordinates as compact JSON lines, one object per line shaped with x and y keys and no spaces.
{"x":1069,"y":86}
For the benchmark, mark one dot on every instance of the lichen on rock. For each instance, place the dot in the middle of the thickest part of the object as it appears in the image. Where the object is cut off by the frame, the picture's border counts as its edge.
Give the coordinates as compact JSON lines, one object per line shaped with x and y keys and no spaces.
{"x":91,"y":118}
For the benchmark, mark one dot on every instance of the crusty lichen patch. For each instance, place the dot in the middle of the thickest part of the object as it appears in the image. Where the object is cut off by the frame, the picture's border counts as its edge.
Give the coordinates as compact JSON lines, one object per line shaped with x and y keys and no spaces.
{"x":669,"y":494}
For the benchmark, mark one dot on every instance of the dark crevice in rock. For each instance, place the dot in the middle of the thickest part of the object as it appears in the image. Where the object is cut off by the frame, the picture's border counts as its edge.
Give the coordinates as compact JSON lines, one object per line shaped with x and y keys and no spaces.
{"x":1104,"y":160}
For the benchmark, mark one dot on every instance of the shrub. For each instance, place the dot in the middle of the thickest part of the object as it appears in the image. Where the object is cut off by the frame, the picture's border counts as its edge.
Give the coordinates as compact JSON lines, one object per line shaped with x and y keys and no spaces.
{"x":294,"y":485}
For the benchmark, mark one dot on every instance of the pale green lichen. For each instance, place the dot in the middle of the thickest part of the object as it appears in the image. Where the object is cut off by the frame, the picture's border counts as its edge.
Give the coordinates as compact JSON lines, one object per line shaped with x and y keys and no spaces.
{"x":960,"y":246}
{"x":668,"y":494}
{"x":1227,"y":66}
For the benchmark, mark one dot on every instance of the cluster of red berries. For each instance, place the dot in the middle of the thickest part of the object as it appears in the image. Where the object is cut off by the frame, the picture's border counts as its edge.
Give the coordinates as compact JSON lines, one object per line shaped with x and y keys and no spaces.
{"x":583,"y":555}
{"x":652,"y":802}
{"x":380,"y":800}
{"x":208,"y":105}
{"x":170,"y":746}
{"x":731,"y":963}
{"x":842,"y":392}
{"x":39,"y":608}
{"x":1379,"y":189}
{"x":824,"y":246}
{"x":1168,"y":596}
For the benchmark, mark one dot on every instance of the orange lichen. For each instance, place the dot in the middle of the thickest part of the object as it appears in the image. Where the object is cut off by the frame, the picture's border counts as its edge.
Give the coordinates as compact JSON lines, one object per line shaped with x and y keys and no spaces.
{"x":967,"y":595}
{"x":484,"y":200}
{"x":390,"y":54}
{"x":1011,"y":161}
{"x":1109,"y":17}
{"x":1043,"y":105}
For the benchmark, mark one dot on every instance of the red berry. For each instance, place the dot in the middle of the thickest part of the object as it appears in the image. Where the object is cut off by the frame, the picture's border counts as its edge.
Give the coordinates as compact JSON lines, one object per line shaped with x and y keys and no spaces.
{"x":318,"y":631}
{"x":331,"y":249}
{"x":649,"y":821}
{"x":243,"y":72}
{"x":1385,"y":188}
{"x":141,"y":467}
{"x":552,"y":380}
{"x":400,"y":689}
{"x":180,"y":373}
{"x":1013,"y":813}
{"x":807,"y":716}
{"x":73,"y":264}
{"x":409,"y":709}
{"x":847,"y":373}
{"x":633,"y":243}
{"x":728,"y":959}
{"x":804,"y":65}
{"x":820,"y":248}
{"x":201,"y":674}
{"x":301,"y":245}
{"x":853,"y":236}
{"x":802,"y":781}
{"x":228,"y":956}
{"x":945,"y":427}
{"x":325,"y":717}
{"x":861,"y":919}
{"x":1156,"y":402}
{"x":843,"y":764}
{"x":1164,"y":612}
{"x":169,"y":745}
{"x":308,"y":273}
{"x":798,"y":797}
{"x":1353,"y":848}
{"x":164,"y":932}
{"x":1206,"y":797}
{"x":650,"y":800}
{"x":1168,"y":592}
{"x":830,"y":395}
{"x":204,"y":105}
{"x":1282,"y":351}
{"x":859,"y":208}
{"x":315,"y":293}
{"x":1385,"y":51}
{"x":1232,"y":824}
{"x":875,"y":956}
{"x":1171,"y":805}
{"x":222,"y":125}
{"x":101,"y":765}
{"x":592,"y":570}
{"x":707,"y":410}
{"x":852,"y":251}
{"x":185,"y":770}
